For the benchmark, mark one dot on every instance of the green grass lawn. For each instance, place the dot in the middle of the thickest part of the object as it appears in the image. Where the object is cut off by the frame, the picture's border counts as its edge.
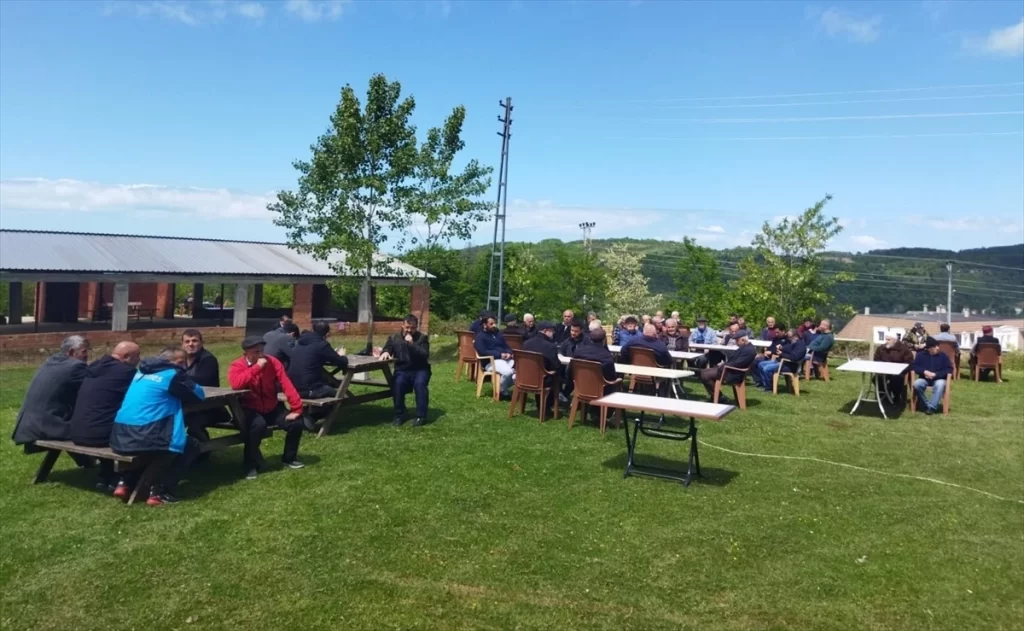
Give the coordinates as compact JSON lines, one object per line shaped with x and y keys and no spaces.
{"x":476,"y":521}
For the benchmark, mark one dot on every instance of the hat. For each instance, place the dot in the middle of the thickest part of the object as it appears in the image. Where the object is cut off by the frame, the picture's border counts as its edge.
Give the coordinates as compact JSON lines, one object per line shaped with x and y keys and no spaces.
{"x":511,"y":317}
{"x":701,"y":319}
{"x":987,"y":330}
{"x":930,"y":342}
{"x":252,"y":341}
{"x":918,"y":325}
{"x":544,"y":325}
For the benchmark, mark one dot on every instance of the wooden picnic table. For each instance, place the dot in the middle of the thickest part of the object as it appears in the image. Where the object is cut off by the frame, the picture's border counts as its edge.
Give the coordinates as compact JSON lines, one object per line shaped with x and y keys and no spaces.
{"x":621,"y":401}
{"x":214,"y":398}
{"x":356,"y":364}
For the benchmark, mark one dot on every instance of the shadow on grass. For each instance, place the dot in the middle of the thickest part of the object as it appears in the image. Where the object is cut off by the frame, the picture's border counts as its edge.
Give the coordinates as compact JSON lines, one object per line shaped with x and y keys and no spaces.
{"x":869,"y":409}
{"x":709,"y":475}
{"x":375,"y":415}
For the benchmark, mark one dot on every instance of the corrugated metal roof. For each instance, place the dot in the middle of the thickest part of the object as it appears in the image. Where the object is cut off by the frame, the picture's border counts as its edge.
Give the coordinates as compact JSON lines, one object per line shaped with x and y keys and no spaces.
{"x":38,"y":251}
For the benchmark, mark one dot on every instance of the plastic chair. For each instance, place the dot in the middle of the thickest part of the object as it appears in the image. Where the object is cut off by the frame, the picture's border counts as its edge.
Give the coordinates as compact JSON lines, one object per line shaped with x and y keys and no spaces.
{"x":530,"y":376}
{"x":821,"y":365}
{"x":953,"y":353}
{"x":739,"y":390}
{"x":467,"y":356}
{"x":485,"y":370}
{"x":640,"y":356}
{"x":986,"y":357}
{"x":911,"y":378}
{"x":515,"y":342}
{"x":792,"y":377}
{"x":589,"y":385}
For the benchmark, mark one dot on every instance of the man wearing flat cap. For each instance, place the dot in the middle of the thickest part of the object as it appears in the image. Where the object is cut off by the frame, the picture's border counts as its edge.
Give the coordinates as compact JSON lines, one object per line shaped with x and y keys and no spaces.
{"x":544,"y":343}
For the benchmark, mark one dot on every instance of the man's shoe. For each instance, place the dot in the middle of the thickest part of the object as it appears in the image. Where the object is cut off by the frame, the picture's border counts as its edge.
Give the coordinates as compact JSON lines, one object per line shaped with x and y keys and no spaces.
{"x":252,"y":474}
{"x":294,"y":464}
{"x":398,"y":421}
{"x":928,"y":411}
{"x":121,"y":491}
{"x":103,"y":487}
{"x":419,"y":421}
{"x":309,"y":422}
{"x":505,"y":396}
{"x":159,"y":499}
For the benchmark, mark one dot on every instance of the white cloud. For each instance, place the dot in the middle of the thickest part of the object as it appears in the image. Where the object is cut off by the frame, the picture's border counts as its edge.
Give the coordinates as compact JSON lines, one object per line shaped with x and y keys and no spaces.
{"x":718,"y":229}
{"x":1000,"y":42}
{"x":968,"y":224}
{"x":544,"y":217}
{"x":190,"y":13}
{"x":316,"y":10}
{"x":252,"y":10}
{"x":40,"y":196}
{"x":867,"y":241}
{"x":838,"y":23}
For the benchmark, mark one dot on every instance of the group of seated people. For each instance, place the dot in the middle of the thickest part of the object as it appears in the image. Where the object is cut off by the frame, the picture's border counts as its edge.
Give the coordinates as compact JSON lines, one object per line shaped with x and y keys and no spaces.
{"x":588,"y":341}
{"x":139,"y":406}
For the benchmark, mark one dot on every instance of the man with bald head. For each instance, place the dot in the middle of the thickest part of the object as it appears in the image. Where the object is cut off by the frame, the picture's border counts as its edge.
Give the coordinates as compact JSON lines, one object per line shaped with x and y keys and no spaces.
{"x":100,"y":397}
{"x":648,"y":339}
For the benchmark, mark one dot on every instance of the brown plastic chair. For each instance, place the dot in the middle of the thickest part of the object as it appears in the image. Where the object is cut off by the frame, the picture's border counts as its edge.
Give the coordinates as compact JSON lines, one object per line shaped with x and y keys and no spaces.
{"x":987,"y":356}
{"x":483,"y":374}
{"x":588,"y":385}
{"x":467,"y":356}
{"x":822,"y":367}
{"x":530,"y":375}
{"x":640,"y":356}
{"x":515,"y":342}
{"x":793,"y":377}
{"x":911,"y":378}
{"x":953,"y":353}
{"x":739,"y":390}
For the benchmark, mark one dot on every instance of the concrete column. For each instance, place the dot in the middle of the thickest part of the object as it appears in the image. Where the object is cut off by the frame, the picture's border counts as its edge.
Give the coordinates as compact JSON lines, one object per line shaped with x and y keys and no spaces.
{"x":257,"y":296}
{"x":119,"y":316}
{"x":241,"y":305}
{"x":365,"y":302}
{"x":17,"y":306}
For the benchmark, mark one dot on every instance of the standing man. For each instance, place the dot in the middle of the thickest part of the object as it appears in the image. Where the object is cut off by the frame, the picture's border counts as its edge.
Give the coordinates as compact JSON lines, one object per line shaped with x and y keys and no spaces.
{"x":741,"y":358}
{"x":562,"y":330}
{"x":491,"y":343}
{"x":932,"y":369}
{"x":411,"y":351}
{"x":262,"y":376}
{"x":46,"y":411}
{"x":151,"y":420}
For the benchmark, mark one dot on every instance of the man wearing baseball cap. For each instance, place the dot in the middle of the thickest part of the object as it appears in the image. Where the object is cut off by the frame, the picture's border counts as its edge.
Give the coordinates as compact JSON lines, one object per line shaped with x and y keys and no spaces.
{"x":262,"y":375}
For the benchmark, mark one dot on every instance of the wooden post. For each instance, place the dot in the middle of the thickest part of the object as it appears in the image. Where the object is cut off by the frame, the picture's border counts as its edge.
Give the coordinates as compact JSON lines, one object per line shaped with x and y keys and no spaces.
{"x":119,"y":313}
{"x":241,"y":305}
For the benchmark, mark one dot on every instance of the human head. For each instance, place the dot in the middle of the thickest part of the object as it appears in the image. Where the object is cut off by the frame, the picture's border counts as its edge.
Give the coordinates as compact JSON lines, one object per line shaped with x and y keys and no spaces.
{"x":285,"y":319}
{"x":650,"y":330}
{"x":769,"y":322}
{"x":567,"y":317}
{"x":671,"y":326}
{"x":547,"y":329}
{"x":322,"y":328}
{"x":491,"y":323}
{"x":825,"y":326}
{"x":742,"y":340}
{"x":944,"y":327}
{"x":931,"y":346}
{"x":684,"y":331}
{"x":192,"y":341}
{"x":794,"y":334}
{"x":675,"y":316}
{"x":629,"y":323}
{"x":733,"y":318}
{"x":482,"y":316}
{"x":75,"y":346}
{"x":742,"y":322}
{"x":702,"y":323}
{"x":659,"y":314}
{"x":126,"y":352}
{"x":410,"y":324}
{"x":576,"y":329}
{"x":528,"y":320}
{"x":175,"y":355}
{"x":808,"y":322}
{"x":733,"y":327}
{"x":986,"y":330}
{"x":252,"y":348}
{"x":890,"y":339}
{"x":291,"y":329}
{"x":591,"y":316}
{"x":510,"y":319}
{"x":919,"y":325}
{"x":646,"y":318}
{"x":595,"y":324}
{"x":597,"y":335}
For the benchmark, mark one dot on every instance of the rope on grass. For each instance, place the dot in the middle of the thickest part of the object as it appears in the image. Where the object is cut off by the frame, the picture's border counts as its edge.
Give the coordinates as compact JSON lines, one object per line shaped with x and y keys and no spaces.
{"x":859,"y":468}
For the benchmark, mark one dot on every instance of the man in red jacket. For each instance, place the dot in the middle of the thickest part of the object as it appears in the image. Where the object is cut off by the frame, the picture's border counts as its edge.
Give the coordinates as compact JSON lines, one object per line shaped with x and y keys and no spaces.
{"x":261,"y":375}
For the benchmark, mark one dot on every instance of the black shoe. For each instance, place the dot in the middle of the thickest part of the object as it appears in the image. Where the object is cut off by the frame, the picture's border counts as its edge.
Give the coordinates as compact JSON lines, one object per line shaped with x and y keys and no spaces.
{"x":419,"y":421}
{"x":929,"y":411}
{"x":504,"y":397}
{"x":398,"y":421}
{"x":309,"y":423}
{"x":724,"y":401}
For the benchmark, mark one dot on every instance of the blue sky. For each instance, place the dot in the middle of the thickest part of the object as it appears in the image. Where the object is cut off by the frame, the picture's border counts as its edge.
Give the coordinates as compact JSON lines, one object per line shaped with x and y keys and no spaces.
{"x":652,"y":119}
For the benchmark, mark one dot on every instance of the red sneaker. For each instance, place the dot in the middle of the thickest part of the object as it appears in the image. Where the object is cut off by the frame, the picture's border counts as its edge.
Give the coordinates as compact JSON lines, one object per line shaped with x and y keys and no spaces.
{"x":154,"y":500}
{"x":121,"y":491}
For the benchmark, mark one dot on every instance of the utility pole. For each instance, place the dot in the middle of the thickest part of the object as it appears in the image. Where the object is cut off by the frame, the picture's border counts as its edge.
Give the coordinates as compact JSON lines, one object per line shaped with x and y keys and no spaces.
{"x":495,"y":293}
{"x":586,"y":227}
{"x":949,"y":292}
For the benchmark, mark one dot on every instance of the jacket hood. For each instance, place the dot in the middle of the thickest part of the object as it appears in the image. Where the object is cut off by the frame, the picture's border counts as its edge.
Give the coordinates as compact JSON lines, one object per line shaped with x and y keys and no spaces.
{"x":309,"y":338}
{"x":152,"y":365}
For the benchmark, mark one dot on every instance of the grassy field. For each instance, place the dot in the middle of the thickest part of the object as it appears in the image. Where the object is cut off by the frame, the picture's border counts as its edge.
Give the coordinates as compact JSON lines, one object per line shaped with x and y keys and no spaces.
{"x":476,"y":521}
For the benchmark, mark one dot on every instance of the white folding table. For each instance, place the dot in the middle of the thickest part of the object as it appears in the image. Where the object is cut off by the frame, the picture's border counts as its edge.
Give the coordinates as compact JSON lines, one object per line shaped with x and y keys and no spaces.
{"x":673,"y":375}
{"x":868,"y":387}
{"x":615,"y":349}
{"x":693,"y":410}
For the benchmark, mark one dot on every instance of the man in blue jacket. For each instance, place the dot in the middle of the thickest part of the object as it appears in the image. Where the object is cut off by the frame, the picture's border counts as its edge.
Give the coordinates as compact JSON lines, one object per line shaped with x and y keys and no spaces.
{"x":793,"y":352}
{"x":628,"y":331}
{"x":932,"y":369}
{"x":649,"y":339}
{"x":491,"y":343}
{"x":480,"y":323}
{"x":151,"y":419}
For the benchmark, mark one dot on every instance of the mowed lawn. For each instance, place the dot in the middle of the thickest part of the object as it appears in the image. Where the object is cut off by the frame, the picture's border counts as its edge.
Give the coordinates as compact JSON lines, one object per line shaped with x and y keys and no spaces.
{"x":476,"y":521}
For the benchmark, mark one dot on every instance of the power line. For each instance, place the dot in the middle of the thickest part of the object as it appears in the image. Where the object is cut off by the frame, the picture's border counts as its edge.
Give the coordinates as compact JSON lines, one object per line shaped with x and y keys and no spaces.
{"x":813,"y":119}
{"x":849,"y":102}
{"x":841,"y":137}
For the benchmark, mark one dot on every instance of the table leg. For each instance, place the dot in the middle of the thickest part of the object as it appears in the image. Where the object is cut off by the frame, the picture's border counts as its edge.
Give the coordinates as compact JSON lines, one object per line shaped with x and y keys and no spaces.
{"x":694,"y":460}
{"x":325,"y":425}
{"x":44,"y":469}
{"x":878,"y":397}
{"x":631,"y":444}
{"x":860,"y":397}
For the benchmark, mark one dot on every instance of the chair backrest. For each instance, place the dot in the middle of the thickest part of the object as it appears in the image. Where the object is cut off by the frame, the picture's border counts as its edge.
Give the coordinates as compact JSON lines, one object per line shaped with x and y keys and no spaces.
{"x":950,"y":349}
{"x":987,"y":353}
{"x":587,"y":379}
{"x":467,"y":350}
{"x":515,"y":342}
{"x":640,"y":356}
{"x":529,"y":369}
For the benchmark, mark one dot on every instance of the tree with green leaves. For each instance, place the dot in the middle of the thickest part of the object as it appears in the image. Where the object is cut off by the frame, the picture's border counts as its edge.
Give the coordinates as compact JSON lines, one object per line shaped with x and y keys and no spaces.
{"x":572,"y":278}
{"x":700,"y":288}
{"x":366,"y":182}
{"x":627,"y":290}
{"x":783,"y":276}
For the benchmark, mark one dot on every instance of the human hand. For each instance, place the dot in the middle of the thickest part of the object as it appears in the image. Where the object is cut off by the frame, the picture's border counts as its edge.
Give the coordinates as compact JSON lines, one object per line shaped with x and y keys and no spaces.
{"x":408,"y":338}
{"x":929,"y":374}
{"x":292,"y":416}
{"x":261,"y":362}
{"x":385,"y":356}
{"x":506,"y":355}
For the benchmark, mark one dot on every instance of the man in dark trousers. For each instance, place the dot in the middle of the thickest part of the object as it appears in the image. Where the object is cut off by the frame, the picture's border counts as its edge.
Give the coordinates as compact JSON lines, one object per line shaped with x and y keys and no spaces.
{"x":46,"y":410}
{"x":262,"y":377}
{"x":597,"y":351}
{"x":309,"y":357}
{"x":932,"y":368}
{"x":741,"y":358}
{"x":411,"y":351}
{"x":281,"y":342}
{"x":573,"y":339}
{"x":202,"y":367}
{"x":98,"y":401}
{"x":792,"y":350}
{"x":893,"y":351}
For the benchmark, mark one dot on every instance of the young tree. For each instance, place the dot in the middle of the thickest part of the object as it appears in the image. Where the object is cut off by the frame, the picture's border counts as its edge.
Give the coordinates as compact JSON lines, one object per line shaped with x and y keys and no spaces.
{"x":627,"y":286}
{"x":783,"y":275}
{"x":571,"y":278}
{"x":701,"y":290}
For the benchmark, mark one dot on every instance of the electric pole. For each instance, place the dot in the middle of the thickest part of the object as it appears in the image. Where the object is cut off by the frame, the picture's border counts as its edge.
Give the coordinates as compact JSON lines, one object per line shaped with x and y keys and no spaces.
{"x":586,"y":227}
{"x":495,"y":292}
{"x":949,"y":292}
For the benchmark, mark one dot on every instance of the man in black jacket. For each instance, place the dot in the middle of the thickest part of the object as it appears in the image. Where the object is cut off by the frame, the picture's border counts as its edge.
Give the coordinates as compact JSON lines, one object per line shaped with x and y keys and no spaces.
{"x":512,"y":326}
{"x":574,"y":337}
{"x":597,"y":351}
{"x":529,"y":326}
{"x":203,"y":368}
{"x":309,"y":357}
{"x":544,"y":344}
{"x":100,"y":397}
{"x":563,"y":329}
{"x":46,"y":410}
{"x":741,"y":359}
{"x":649,"y":339}
{"x":280,"y":343}
{"x":411,"y":351}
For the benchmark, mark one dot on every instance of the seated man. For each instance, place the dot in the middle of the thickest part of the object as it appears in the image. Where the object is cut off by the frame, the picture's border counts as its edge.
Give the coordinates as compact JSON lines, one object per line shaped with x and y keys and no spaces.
{"x":411,"y":351}
{"x":628,"y":331}
{"x":820,"y":345}
{"x":741,"y":359}
{"x":202,"y":368}
{"x":673,"y":338}
{"x":480,"y":322}
{"x":512,"y":326}
{"x":491,"y":343}
{"x":263,"y":376}
{"x":98,"y":401}
{"x":730,"y":334}
{"x":916,"y":337}
{"x":985,"y":338}
{"x":945,"y":336}
{"x":675,"y":316}
{"x":768,"y":332}
{"x":597,"y":351}
{"x":151,"y":419}
{"x":572,"y":340}
{"x":932,"y":368}
{"x":544,"y":344}
{"x":529,"y":326}
{"x":791,"y":350}
{"x":771,"y":353}
{"x":897,"y":352}
{"x":703,"y":334}
{"x":649,"y":339}
{"x":281,"y":342}
{"x":562,"y":330}
{"x":308,"y":359}
{"x":50,"y":399}
{"x":805,"y":327}
{"x":742,"y":328}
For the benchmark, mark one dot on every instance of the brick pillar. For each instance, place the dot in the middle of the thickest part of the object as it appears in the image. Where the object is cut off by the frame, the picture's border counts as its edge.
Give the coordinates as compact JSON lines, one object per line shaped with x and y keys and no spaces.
{"x":302,"y":306}
{"x":84,"y":290}
{"x":15,"y":302}
{"x":419,"y":304}
{"x":164,"y":307}
{"x":92,"y":302}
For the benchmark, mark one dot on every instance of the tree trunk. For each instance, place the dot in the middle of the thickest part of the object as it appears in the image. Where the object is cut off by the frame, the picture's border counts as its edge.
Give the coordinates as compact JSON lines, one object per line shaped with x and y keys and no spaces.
{"x":369,"y":322}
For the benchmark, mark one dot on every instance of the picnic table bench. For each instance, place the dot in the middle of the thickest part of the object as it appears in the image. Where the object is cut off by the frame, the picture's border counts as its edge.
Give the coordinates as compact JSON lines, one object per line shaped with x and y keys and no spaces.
{"x":357,"y":364}
{"x":151,"y":466}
